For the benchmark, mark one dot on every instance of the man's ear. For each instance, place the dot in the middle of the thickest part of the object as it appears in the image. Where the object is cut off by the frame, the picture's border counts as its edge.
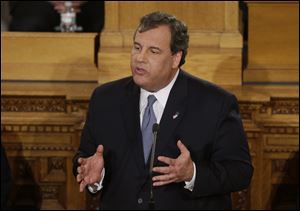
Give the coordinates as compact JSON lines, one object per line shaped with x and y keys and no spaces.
{"x":176,"y":59}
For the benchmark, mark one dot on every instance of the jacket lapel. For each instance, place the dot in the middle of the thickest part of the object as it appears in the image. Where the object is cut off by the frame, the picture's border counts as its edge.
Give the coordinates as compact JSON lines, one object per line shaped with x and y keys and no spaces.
{"x":131,"y":117}
{"x":173,"y":113}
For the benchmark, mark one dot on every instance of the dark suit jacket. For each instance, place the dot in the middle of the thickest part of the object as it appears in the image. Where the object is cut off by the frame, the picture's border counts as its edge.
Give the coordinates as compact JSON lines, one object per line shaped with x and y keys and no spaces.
{"x":209,"y":125}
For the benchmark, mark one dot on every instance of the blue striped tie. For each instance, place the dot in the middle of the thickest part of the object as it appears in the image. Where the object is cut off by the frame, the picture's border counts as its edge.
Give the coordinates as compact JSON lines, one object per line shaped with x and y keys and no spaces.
{"x":148,"y":120}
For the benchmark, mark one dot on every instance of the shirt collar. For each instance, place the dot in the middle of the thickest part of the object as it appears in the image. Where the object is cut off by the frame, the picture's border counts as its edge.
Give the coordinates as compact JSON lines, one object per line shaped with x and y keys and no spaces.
{"x":161,"y":95}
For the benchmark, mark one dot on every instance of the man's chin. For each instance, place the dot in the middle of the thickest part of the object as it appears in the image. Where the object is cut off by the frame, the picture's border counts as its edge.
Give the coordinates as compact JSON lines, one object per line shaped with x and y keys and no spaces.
{"x":140,"y":81}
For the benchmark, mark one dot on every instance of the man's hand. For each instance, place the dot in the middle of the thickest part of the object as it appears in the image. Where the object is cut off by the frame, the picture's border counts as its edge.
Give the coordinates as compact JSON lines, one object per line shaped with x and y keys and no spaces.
{"x":178,"y":170}
{"x":90,"y":169}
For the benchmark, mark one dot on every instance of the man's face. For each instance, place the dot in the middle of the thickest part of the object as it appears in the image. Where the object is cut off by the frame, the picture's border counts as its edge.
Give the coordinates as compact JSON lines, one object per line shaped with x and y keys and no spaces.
{"x":152,"y":64}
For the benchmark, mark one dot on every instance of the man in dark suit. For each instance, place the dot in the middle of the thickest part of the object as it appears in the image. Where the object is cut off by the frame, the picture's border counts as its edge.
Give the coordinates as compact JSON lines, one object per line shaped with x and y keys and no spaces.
{"x":201,"y":153}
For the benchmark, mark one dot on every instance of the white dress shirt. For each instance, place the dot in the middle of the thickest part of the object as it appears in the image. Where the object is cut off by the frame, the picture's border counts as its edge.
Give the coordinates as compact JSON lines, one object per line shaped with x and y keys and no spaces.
{"x":161,"y":100}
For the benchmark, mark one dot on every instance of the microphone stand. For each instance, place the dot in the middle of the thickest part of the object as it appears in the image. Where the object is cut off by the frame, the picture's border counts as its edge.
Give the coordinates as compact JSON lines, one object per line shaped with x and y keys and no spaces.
{"x":155,"y":130}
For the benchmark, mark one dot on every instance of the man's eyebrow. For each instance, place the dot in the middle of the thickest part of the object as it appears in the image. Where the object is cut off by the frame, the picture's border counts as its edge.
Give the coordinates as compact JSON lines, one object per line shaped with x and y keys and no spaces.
{"x":155,"y":48}
{"x":152,"y":47}
{"x":136,"y":43}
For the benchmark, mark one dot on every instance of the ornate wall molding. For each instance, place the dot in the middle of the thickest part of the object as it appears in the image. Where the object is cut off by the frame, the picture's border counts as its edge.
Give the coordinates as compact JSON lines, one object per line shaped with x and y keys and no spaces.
{"x":56,"y":163}
{"x":275,"y":106}
{"x":19,"y":147}
{"x":50,"y":191}
{"x":24,"y":169}
{"x":248,"y":108}
{"x":77,"y":105}
{"x":280,"y":130}
{"x":281,"y":149}
{"x":285,"y":105}
{"x":13,"y":103}
{"x":253,"y":135}
{"x":279,"y":165}
{"x":38,"y":128}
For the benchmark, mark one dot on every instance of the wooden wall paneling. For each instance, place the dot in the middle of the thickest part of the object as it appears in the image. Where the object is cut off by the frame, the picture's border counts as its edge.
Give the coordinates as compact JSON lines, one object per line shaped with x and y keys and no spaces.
{"x":273,"y":41}
{"x":41,"y":132}
{"x":48,"y":56}
{"x":40,"y":148}
{"x":280,"y":143}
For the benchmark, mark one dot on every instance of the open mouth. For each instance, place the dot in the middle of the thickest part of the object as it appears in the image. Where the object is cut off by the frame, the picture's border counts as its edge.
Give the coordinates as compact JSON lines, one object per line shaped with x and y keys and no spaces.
{"x":139,"y":71}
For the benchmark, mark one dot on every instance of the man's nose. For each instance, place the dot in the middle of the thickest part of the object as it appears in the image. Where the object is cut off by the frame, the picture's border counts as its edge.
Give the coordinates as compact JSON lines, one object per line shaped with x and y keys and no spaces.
{"x":141,"y":57}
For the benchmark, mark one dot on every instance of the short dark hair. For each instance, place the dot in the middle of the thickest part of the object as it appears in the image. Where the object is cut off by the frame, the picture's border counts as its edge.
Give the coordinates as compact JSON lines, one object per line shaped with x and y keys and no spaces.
{"x":179,"y":31}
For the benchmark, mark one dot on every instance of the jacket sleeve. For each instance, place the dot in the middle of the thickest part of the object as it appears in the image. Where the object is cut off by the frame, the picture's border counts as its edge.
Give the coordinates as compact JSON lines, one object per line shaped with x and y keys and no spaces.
{"x":229,"y":167}
{"x":87,"y":142}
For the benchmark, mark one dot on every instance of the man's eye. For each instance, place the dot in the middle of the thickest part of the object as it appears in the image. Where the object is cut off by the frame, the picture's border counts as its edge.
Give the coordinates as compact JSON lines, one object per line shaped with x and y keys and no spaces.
{"x":137,"y":48}
{"x":155,"y":51}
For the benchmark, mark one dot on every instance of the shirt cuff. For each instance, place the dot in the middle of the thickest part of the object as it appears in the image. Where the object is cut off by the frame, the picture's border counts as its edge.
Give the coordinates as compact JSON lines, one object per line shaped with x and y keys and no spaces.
{"x":190,"y":185}
{"x":94,"y":188}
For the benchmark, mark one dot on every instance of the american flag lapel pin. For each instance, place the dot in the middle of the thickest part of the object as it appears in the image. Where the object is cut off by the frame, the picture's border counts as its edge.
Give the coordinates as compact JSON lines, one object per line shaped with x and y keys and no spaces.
{"x":176,"y":115}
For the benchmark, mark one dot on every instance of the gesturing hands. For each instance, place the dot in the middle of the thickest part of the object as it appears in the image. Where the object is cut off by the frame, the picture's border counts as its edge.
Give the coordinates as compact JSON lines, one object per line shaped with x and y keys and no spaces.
{"x":178,"y":170}
{"x":90,"y":169}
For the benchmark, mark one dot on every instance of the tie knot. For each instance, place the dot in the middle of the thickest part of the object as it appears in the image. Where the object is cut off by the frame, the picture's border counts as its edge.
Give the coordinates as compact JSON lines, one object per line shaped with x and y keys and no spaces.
{"x":151,"y":100}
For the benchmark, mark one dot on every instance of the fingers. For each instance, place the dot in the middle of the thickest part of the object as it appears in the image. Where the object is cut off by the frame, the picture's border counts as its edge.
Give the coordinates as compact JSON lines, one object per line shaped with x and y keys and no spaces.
{"x":162,"y":170}
{"x":181,"y":147}
{"x":166,"y":160}
{"x":168,"y":176}
{"x":84,"y":182}
{"x":82,"y":185}
{"x":79,"y":178}
{"x":81,"y":161}
{"x":163,"y":179}
{"x":100,"y":150}
{"x":176,"y":169}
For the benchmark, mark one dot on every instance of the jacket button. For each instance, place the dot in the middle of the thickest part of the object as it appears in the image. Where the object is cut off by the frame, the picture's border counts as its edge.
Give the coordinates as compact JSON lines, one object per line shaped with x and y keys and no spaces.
{"x":140,"y":201}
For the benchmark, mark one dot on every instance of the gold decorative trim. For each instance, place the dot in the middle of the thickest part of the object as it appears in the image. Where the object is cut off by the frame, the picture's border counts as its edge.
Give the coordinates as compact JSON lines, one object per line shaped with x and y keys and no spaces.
{"x":279,"y":165}
{"x":50,"y":191}
{"x":33,"y":104}
{"x":78,"y":105}
{"x":281,"y":150}
{"x":248,"y":108}
{"x":281,"y":130}
{"x":38,"y":128}
{"x":252,"y":134}
{"x":39,"y":147}
{"x":285,"y":106}
{"x":57,"y":163}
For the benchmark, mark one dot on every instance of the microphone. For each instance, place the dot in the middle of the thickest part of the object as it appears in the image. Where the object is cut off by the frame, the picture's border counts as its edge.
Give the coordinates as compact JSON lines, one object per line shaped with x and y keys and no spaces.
{"x":155,"y":128}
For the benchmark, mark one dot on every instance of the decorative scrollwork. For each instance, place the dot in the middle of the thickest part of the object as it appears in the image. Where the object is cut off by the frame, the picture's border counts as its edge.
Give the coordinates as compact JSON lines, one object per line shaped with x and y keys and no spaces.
{"x":57,"y":163}
{"x":33,"y":104}
{"x":285,"y":106}
{"x":50,"y":191}
{"x":248,"y":108}
{"x":40,"y":147}
{"x":38,"y":128}
{"x":281,"y":130}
